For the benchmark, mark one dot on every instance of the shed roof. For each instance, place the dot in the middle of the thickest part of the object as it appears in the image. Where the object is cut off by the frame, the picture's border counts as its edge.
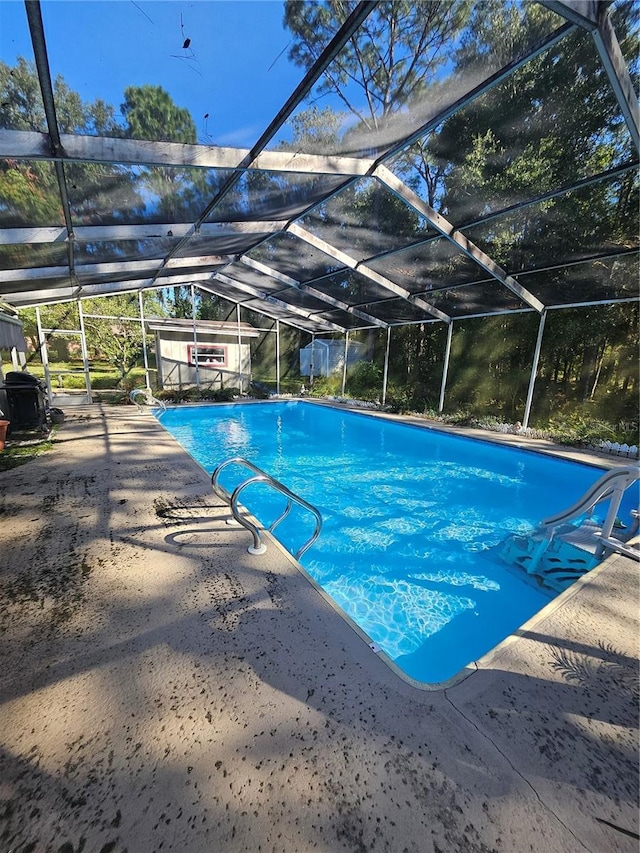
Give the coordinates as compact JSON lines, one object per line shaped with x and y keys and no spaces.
{"x":203,"y":327}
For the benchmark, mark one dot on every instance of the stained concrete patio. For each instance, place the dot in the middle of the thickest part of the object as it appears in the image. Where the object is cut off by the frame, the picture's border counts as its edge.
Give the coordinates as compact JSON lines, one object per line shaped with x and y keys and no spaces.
{"x":163,"y":690}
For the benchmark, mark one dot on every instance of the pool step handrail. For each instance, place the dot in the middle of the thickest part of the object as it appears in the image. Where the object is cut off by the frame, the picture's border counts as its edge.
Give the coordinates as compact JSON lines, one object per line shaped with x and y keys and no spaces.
{"x":611,"y":486}
{"x":260,"y":476}
{"x":149,"y":400}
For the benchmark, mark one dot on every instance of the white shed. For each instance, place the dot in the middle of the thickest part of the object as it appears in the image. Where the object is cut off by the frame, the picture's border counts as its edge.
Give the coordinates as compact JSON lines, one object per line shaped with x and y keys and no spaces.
{"x":216,"y":354}
{"x":328,"y":356}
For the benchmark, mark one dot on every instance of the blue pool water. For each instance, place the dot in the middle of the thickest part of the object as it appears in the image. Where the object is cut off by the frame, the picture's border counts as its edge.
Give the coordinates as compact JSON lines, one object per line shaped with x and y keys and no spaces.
{"x":411,"y":516}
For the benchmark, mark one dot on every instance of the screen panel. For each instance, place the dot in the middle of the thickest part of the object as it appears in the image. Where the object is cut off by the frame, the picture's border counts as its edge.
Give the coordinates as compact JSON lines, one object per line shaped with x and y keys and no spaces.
{"x":598,"y":280}
{"x":295,"y":258}
{"x":408,"y":64}
{"x":429,"y":266}
{"x":29,"y":195}
{"x":601,"y":217}
{"x":489,"y":297}
{"x":366,"y":220}
{"x":554,"y":122}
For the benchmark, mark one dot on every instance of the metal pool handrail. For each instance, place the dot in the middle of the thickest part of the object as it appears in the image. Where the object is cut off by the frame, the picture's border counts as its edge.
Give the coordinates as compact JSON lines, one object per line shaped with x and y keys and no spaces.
{"x":261,"y":476}
{"x":612,"y":484}
{"x":149,"y":399}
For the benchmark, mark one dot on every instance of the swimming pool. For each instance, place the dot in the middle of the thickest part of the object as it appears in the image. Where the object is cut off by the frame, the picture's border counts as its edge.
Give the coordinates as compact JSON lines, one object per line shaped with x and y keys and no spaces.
{"x":412,"y":517}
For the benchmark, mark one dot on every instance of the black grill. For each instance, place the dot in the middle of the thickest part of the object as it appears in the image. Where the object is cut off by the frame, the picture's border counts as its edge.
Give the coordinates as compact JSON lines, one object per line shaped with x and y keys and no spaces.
{"x":26,"y":401}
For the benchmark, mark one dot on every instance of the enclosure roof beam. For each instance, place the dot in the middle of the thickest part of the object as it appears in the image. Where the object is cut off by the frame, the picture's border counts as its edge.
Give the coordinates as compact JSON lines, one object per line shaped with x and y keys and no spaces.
{"x":29,"y":296}
{"x":209,"y":287}
{"x":91,"y":233}
{"x":36,"y":30}
{"x":584,"y":13}
{"x":312,"y":291}
{"x":116,"y":269}
{"x":76,"y":148}
{"x":364,"y":270}
{"x":293,"y":309}
{"x":619,"y":77}
{"x":351,"y":24}
{"x":590,"y":304}
{"x":33,"y":274}
{"x":444,"y":227}
{"x":213,"y":261}
{"x":276,"y":275}
{"x":99,"y":288}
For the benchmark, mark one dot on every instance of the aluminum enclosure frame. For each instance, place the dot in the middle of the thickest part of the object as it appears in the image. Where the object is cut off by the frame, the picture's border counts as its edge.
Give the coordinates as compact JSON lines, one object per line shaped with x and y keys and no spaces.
{"x":185,"y":263}
{"x":35,"y":285}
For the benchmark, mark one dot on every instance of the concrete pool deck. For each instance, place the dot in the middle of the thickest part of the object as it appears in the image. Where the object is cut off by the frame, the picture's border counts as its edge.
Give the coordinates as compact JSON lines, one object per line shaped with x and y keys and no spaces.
{"x":161,"y":689}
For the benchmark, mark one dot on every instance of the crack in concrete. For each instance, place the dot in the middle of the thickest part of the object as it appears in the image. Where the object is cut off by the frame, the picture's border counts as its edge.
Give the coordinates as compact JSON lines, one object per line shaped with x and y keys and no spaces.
{"x":518,"y":773}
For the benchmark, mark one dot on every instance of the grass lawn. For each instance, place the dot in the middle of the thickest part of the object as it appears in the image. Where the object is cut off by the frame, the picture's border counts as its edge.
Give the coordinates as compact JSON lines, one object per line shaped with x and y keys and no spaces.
{"x":23,"y":448}
{"x":69,"y":375}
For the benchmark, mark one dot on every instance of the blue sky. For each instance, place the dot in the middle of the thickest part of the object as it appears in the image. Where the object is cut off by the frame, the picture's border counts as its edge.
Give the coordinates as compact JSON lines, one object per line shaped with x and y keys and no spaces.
{"x":235,"y":69}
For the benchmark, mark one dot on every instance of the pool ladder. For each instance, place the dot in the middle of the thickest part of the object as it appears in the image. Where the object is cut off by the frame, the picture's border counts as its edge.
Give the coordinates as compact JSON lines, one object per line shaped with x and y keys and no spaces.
{"x":261,"y":476}
{"x":142,"y":397}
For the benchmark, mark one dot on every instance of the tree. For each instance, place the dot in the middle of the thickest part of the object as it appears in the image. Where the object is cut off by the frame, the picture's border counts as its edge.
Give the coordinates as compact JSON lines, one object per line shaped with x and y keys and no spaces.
{"x":110,"y":336}
{"x":171,"y":194}
{"x":208,"y":306}
{"x":116,"y":338}
{"x":548,"y":125}
{"x":63,"y":315}
{"x":212,"y":307}
{"x":315,"y":130}
{"x":21,"y":107}
{"x":29,"y":193}
{"x":394,"y":55}
{"x":98,"y":192}
{"x":150,"y":113}
{"x":553,"y":121}
{"x":389,"y":68}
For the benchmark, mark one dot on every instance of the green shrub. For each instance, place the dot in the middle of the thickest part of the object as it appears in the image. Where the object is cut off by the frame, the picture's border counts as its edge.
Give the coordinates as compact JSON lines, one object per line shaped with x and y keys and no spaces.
{"x":327,"y":386}
{"x":197,"y":395}
{"x":398,"y":400}
{"x":580,"y":430}
{"x":365,"y":381}
{"x":169,"y":395}
{"x":208,"y":395}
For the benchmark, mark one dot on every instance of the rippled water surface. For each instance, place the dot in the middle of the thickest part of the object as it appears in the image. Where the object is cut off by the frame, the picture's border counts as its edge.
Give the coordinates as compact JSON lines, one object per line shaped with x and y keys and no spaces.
{"x":410,"y":518}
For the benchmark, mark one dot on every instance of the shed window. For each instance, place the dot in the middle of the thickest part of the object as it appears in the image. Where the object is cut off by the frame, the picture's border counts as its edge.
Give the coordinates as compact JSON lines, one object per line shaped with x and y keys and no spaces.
{"x":207,"y":355}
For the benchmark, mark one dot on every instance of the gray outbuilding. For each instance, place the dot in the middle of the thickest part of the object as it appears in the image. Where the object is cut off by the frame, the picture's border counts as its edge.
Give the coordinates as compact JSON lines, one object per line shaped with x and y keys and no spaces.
{"x":208,"y":352}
